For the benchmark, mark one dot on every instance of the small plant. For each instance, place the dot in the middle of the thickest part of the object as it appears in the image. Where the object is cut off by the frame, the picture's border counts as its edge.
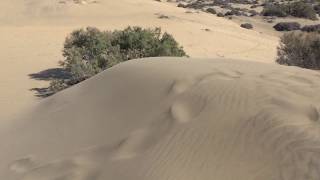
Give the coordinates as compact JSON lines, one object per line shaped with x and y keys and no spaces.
{"x":212,"y":11}
{"x":247,"y":26}
{"x":220,"y":14}
{"x":287,"y":26}
{"x":253,"y":13}
{"x":300,"y":49}
{"x":180,"y":5}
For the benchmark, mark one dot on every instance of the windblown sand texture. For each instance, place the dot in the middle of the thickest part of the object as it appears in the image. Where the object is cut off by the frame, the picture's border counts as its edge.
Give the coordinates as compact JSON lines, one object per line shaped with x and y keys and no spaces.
{"x":174,"y":119}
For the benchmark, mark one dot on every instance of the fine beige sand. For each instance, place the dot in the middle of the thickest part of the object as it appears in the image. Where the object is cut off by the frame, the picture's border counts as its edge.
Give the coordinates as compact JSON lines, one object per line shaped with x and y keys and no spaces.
{"x":174,"y":119}
{"x":32,"y":33}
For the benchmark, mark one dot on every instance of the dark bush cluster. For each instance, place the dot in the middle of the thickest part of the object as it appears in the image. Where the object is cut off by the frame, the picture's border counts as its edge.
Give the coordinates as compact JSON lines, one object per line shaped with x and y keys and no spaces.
{"x":317,"y":8}
{"x":302,"y":10}
{"x":220,"y":14}
{"x":193,"y":5}
{"x":235,"y":12}
{"x":274,"y":10}
{"x":90,"y":51}
{"x":181,"y":5}
{"x":253,"y":13}
{"x":207,"y":5}
{"x":212,"y":11}
{"x":287,"y":26}
{"x":300,"y":49}
{"x":297,"y":9}
{"x":311,"y":28}
{"x":247,"y":26}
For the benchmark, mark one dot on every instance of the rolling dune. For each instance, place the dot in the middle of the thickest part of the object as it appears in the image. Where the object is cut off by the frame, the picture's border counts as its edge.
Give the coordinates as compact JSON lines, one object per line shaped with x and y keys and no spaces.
{"x":175,"y":119}
{"x":32,"y":33}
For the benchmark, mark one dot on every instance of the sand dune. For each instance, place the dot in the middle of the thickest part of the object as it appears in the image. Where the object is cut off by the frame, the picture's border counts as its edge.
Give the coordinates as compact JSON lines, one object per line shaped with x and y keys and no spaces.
{"x":170,"y":118}
{"x":158,"y":118}
{"x":32,"y":33}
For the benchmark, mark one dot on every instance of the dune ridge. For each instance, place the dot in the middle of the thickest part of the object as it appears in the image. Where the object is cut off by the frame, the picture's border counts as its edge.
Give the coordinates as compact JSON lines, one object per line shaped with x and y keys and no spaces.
{"x":171,"y":118}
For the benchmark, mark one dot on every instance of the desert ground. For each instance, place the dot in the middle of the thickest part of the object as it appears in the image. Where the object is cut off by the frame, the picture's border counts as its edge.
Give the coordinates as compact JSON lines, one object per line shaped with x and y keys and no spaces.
{"x":228,"y":112}
{"x":33,"y":32}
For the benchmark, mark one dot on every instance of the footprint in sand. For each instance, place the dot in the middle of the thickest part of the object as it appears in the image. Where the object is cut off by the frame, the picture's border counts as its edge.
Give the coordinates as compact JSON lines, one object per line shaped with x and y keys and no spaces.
{"x":187,"y":107}
{"x":180,"y":86}
{"x":189,"y":104}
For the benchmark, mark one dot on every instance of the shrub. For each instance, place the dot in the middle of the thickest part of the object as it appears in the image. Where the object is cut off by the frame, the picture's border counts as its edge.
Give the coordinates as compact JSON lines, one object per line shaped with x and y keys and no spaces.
{"x":196,"y":5}
{"x":297,"y":9}
{"x":233,"y":11}
{"x":311,"y":28}
{"x":247,"y":26}
{"x":229,"y":13}
{"x":317,"y":8}
{"x":90,"y":51}
{"x":220,"y":14}
{"x":274,"y":10}
{"x":300,"y":49}
{"x":212,"y":11}
{"x":287,"y":26}
{"x":181,"y":5}
{"x":302,"y":10}
{"x":253,"y":12}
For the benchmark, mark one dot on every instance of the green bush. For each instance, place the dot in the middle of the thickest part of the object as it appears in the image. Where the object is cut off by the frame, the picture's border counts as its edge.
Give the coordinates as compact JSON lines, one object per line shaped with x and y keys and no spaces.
{"x":296,"y":9}
{"x":90,"y":51}
{"x":302,"y":10}
{"x":300,"y":49}
{"x":274,"y":10}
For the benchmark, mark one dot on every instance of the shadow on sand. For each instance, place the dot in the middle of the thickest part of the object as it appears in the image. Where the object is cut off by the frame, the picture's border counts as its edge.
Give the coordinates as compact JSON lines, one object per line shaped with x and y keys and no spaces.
{"x":48,"y":75}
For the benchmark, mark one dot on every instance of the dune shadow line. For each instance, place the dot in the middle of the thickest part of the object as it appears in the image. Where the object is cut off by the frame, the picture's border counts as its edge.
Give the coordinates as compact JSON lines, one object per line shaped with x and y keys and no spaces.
{"x":48,"y":75}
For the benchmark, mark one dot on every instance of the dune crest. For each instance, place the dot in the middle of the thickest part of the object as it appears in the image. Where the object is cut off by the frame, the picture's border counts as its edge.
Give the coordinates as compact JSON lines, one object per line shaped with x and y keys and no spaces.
{"x":171,"y":118}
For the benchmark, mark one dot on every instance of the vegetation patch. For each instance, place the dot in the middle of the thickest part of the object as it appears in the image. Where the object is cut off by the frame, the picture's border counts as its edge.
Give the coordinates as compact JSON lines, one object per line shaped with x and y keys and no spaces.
{"x":296,"y":9}
{"x":311,"y":28}
{"x":287,"y":26}
{"x":247,"y":26}
{"x":300,"y":49}
{"x":90,"y":51}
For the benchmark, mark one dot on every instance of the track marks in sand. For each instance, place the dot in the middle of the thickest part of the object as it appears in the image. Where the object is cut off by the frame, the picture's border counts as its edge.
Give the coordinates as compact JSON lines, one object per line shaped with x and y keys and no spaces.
{"x":180,"y":86}
{"x":189,"y":103}
{"x":72,"y":169}
{"x":90,"y":162}
{"x":187,"y":108}
{"x":23,"y":165}
{"x":138,"y":142}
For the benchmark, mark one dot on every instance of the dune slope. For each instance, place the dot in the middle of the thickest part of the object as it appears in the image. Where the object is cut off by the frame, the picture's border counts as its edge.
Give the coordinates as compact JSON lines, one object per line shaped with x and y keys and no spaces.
{"x":170,"y":118}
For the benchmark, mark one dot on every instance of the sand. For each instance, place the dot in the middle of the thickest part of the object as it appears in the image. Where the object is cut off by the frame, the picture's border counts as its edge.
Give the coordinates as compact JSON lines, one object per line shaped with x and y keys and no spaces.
{"x":32,"y":34}
{"x":175,"y":119}
{"x":157,"y":118}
